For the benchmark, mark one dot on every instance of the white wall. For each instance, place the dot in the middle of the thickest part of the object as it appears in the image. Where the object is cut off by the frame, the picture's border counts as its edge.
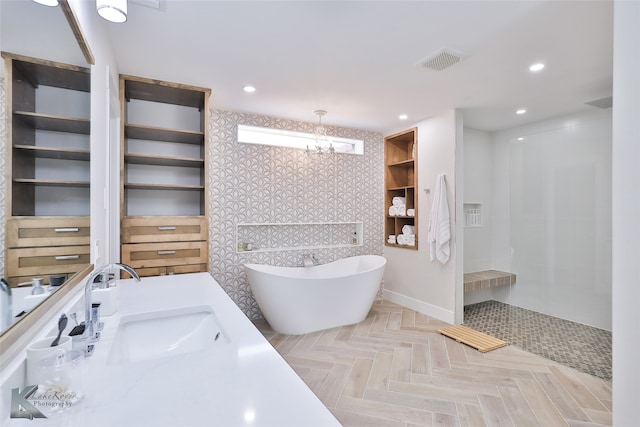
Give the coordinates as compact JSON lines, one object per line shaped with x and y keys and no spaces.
{"x":3,"y":166}
{"x":478,"y":188}
{"x":103,"y":72}
{"x":410,"y":279}
{"x":626,"y":211}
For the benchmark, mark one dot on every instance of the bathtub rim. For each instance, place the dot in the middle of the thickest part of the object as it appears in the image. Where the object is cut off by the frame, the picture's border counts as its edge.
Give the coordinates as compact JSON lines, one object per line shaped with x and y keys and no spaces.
{"x":311,"y":273}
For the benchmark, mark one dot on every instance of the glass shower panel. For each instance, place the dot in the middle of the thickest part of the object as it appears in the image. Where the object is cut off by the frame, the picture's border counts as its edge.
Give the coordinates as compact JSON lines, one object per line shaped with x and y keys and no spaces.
{"x":560,"y":222}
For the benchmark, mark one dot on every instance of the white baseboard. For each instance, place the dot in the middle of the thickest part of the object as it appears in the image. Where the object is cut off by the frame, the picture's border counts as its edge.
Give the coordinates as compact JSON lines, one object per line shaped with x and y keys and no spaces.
{"x":419,"y":306}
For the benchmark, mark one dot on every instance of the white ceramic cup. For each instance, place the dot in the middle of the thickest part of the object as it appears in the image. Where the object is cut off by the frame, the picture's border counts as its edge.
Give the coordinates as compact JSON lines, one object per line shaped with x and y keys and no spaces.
{"x":40,"y":350}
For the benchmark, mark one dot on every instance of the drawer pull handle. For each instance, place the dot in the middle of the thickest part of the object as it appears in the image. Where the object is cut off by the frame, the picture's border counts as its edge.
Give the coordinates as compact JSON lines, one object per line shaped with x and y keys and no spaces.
{"x":67,"y":230}
{"x":166,"y":252}
{"x":64,"y":257}
{"x":166,"y":227}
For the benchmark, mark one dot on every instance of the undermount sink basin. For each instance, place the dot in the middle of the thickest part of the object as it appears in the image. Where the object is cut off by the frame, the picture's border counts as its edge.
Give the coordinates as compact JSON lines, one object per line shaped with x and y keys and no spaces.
{"x":167,"y":333}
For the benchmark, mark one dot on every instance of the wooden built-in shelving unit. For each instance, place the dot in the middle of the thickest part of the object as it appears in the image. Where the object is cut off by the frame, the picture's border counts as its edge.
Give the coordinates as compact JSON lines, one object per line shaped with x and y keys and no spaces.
{"x":400,"y":180}
{"x":163,"y":176}
{"x":48,"y":167}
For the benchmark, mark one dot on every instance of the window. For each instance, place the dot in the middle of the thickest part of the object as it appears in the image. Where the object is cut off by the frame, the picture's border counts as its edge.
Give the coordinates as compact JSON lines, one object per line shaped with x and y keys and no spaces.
{"x":298,"y":140}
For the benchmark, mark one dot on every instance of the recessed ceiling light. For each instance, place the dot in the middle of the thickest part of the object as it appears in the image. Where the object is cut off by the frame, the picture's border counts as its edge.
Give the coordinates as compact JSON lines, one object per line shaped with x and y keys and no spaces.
{"x":521,"y":111}
{"x":520,"y":138}
{"x":112,"y":10}
{"x":249,"y":89}
{"x":536,"y":67}
{"x":403,"y":117}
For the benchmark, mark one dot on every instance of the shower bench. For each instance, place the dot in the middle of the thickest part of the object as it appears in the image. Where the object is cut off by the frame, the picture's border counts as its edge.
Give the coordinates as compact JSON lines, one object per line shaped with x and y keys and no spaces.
{"x":487,"y":279}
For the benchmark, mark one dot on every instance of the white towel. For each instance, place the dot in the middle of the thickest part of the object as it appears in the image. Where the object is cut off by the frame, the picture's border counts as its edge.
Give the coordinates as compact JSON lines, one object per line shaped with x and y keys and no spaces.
{"x":406,"y":239}
{"x":392,"y":239}
{"x":407,"y":229}
{"x":439,"y":224}
{"x":399,"y":210}
{"x":411,"y":212}
{"x":399,"y":201}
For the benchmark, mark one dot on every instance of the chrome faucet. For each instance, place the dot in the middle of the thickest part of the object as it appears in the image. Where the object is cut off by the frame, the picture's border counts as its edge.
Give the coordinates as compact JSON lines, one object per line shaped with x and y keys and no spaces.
{"x":88,"y":324}
{"x":7,"y":310}
{"x":309,"y":260}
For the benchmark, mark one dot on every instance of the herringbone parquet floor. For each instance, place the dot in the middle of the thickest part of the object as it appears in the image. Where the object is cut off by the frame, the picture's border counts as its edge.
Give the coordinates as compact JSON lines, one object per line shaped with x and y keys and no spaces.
{"x":394,"y":369}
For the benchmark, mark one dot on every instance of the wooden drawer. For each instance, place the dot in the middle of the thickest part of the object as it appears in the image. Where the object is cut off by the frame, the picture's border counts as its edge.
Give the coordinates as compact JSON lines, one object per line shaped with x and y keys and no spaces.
{"x":45,"y":261}
{"x":146,"y":272}
{"x":148,"y":229}
{"x":183,"y":269}
{"x":48,"y":231}
{"x":146,"y":255}
{"x":162,"y":271}
{"x":13,"y":281}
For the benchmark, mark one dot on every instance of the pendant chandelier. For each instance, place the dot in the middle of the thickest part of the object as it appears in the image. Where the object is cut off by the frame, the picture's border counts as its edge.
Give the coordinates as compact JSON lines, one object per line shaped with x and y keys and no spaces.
{"x":323,"y":144}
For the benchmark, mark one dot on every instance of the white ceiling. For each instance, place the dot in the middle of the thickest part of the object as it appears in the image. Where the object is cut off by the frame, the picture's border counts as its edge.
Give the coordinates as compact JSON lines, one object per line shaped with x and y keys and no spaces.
{"x":360,"y":60}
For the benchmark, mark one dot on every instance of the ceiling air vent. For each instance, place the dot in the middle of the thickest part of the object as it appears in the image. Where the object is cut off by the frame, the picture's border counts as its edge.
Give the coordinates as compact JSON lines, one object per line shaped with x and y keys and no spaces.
{"x":154,"y":4}
{"x":444,"y":58}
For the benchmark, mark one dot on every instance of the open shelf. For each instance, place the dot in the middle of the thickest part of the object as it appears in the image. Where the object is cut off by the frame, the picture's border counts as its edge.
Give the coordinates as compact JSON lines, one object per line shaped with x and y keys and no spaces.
{"x":404,"y":187}
{"x":54,"y":123}
{"x":51,"y":182}
{"x":54,"y":153}
{"x":152,"y":133}
{"x":146,"y":159}
{"x":402,"y":164}
{"x":472,"y":214}
{"x":273,"y":237}
{"x":139,"y":186}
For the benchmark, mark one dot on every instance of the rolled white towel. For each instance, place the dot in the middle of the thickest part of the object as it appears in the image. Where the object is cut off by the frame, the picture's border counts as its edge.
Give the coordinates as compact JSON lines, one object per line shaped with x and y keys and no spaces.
{"x":398,"y":201}
{"x":408,"y":230}
{"x":406,"y":239}
{"x":392,"y":239}
{"x":411,"y":212}
{"x":397,"y":210}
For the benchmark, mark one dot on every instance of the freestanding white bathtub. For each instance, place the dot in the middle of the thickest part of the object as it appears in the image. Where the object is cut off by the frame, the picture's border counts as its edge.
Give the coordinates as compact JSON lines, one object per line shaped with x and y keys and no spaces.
{"x":299,"y":300}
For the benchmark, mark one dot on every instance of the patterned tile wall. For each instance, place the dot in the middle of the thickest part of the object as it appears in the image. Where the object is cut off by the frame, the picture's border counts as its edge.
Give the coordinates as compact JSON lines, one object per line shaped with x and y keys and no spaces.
{"x":3,"y":139}
{"x":296,"y":235}
{"x":263,"y":184}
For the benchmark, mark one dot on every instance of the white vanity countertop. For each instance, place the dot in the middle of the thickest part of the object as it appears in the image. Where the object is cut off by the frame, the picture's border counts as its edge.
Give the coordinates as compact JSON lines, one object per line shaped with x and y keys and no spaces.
{"x":242,"y":383}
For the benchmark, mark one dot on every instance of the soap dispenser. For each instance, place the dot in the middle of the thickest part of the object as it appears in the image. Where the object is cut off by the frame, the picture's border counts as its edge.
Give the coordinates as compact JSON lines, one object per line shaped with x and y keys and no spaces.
{"x":37,"y":288}
{"x":354,"y":238}
{"x":38,"y":293}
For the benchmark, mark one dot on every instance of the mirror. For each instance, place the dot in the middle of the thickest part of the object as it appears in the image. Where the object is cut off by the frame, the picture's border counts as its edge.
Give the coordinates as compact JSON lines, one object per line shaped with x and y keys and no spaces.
{"x":32,"y":30}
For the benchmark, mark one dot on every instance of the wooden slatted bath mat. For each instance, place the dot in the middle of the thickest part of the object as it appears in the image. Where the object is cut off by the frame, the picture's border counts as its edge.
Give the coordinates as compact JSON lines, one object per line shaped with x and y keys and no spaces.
{"x":471,"y":337}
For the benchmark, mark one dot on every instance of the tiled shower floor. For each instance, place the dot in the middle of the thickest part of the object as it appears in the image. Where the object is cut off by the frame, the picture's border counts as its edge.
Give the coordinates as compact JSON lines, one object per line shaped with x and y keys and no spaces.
{"x":581,"y":347}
